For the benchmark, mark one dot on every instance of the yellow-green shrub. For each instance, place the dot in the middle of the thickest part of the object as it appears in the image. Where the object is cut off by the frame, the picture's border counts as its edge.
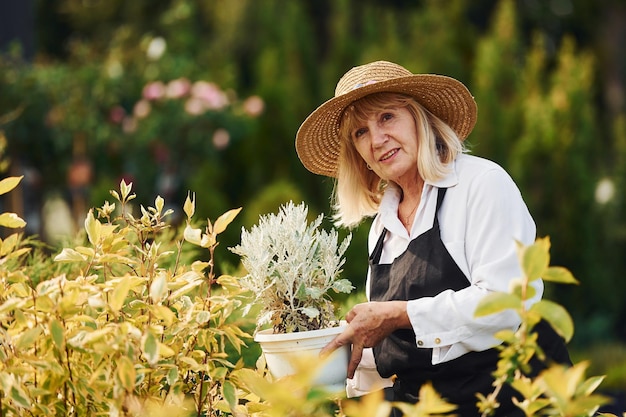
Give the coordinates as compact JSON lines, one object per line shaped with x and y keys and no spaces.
{"x":118,"y":333}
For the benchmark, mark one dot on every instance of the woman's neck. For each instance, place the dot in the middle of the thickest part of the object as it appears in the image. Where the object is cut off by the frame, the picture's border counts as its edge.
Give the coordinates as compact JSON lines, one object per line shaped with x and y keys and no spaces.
{"x":409,"y":201}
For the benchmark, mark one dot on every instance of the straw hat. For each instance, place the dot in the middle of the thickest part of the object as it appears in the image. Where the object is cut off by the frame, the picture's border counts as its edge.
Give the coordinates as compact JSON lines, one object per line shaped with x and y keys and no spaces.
{"x":317,"y":140}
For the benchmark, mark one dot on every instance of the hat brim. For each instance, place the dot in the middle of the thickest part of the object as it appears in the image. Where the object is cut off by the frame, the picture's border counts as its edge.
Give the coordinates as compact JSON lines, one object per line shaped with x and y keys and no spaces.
{"x":317,"y":139}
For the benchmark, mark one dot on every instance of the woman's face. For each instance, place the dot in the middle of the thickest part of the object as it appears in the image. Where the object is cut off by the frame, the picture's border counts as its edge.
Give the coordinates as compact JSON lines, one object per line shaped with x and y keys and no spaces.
{"x":387,"y":142}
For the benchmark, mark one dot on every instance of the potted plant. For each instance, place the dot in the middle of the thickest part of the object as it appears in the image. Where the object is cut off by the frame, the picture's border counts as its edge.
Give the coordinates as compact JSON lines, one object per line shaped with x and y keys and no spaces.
{"x":293,"y":266}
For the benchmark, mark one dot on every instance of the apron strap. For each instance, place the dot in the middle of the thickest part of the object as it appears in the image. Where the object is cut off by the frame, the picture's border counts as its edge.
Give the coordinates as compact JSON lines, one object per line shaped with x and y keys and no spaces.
{"x":378,"y":249}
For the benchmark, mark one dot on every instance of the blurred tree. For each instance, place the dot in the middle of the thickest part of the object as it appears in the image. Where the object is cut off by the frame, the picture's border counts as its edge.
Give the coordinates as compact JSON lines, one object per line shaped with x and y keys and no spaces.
{"x":496,"y":85}
{"x":104,"y":69}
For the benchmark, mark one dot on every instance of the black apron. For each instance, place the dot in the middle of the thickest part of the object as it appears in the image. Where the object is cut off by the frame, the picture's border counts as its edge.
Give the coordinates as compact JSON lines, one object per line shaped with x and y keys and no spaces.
{"x":426,"y":269}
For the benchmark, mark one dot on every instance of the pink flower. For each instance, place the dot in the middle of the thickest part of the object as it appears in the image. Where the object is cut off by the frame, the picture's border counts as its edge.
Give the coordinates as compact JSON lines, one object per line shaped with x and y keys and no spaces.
{"x":154,"y":90}
{"x":178,"y":88}
{"x":221,"y":138}
{"x":117,"y":114}
{"x":142,"y":109}
{"x":253,"y":106}
{"x":194,"y":106}
{"x":212,"y":96}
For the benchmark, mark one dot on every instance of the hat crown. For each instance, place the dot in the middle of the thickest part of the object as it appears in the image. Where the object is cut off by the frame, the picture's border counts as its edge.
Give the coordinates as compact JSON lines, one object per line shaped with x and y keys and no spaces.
{"x":369,"y":74}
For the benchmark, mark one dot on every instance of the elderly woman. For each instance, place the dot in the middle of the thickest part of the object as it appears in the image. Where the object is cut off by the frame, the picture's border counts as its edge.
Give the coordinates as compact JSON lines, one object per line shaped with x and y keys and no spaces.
{"x":443,"y":235}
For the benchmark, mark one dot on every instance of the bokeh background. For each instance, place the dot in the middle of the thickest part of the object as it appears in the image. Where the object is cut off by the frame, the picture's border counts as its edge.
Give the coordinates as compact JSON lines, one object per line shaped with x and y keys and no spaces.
{"x":205,"y":96}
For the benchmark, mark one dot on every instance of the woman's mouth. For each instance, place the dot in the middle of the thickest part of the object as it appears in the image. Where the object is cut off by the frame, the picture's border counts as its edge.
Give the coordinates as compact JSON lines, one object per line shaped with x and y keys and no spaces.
{"x":388,"y":155}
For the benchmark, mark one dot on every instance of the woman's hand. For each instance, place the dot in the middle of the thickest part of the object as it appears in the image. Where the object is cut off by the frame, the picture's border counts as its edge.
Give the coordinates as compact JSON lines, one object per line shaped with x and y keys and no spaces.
{"x":368,"y":324}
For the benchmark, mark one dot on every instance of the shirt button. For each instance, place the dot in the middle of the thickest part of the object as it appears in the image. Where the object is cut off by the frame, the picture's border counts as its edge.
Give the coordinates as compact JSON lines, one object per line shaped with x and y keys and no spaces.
{"x":437,"y":341}
{"x":420,"y":343}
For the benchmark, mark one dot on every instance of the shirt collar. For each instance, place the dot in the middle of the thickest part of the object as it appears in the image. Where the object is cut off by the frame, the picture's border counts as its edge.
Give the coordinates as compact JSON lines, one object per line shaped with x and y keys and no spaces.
{"x":450,"y":180}
{"x":388,"y":209}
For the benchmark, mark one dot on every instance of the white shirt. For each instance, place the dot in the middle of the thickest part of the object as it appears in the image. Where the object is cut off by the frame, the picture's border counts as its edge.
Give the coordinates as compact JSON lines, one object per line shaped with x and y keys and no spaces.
{"x":481,"y":217}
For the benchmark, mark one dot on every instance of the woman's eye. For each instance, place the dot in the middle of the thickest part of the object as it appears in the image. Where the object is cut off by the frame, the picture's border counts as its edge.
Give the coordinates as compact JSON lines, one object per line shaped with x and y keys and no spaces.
{"x":386,"y":116}
{"x":359,"y":132}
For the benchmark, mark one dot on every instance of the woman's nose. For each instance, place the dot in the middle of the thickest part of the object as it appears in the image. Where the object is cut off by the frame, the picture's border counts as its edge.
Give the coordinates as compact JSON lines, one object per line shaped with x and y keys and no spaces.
{"x":379,"y":136}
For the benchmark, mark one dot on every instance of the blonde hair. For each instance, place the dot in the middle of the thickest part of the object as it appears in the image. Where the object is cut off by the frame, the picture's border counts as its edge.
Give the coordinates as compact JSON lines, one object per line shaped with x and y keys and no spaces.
{"x":358,"y":190}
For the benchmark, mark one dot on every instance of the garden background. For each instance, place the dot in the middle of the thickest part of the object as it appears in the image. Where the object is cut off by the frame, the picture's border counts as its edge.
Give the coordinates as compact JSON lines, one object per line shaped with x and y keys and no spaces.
{"x":206,"y":96}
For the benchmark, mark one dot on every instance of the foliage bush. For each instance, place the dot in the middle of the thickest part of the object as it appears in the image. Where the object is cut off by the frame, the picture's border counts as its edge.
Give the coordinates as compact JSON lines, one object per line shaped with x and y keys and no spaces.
{"x":125,"y":327}
{"x":127,"y":323}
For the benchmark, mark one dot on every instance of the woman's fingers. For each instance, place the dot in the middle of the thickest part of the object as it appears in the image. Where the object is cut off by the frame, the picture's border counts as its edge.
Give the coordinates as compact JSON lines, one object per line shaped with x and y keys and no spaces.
{"x":368,"y":324}
{"x":355,"y":359}
{"x":345,"y":338}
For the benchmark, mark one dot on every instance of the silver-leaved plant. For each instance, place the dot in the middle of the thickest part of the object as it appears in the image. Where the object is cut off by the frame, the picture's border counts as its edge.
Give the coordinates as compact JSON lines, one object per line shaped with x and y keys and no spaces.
{"x":292,"y":266}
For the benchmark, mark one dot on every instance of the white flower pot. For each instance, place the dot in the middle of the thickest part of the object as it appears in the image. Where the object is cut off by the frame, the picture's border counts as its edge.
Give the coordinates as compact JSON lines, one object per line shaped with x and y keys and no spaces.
{"x":281,"y":349}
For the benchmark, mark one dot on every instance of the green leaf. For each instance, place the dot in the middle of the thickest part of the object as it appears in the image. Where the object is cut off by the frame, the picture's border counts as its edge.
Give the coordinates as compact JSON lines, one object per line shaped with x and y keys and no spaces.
{"x":88,"y":252}
{"x":537,"y":405}
{"x":586,"y":406}
{"x":497,"y":302}
{"x":163,"y":313}
{"x":192,"y":235}
{"x":11,"y":220}
{"x":524,"y":386}
{"x":9,"y":183}
{"x":19,"y":397}
{"x":172,"y":376}
{"x":560,"y":275}
{"x":8,"y":244}
{"x":126,"y":373}
{"x":11,"y":304}
{"x":523,"y":292}
{"x":70,"y":255}
{"x":301,"y":293}
{"x":314,"y":292}
{"x":92,"y":337}
{"x":150,"y":347}
{"x":536,"y":258}
{"x":190,"y":205}
{"x":506,"y":335}
{"x":115,"y":194}
{"x":193,"y":364}
{"x":224,"y":220}
{"x":429,"y":401}
{"x":158,"y":288}
{"x":203,"y":317}
{"x":184,"y":290}
{"x":166,"y":351}
{"x":254,"y":382}
{"x":159,"y":203}
{"x":590,"y":385}
{"x":18,"y":253}
{"x":118,"y":296}
{"x":311,"y":312}
{"x":93,"y":228}
{"x":125,"y":189}
{"x":46,"y":304}
{"x":113,"y":258}
{"x":58,"y":334}
{"x":230,"y":394}
{"x":343,"y":285}
{"x":28,"y":338}
{"x":560,"y":381}
{"x":557,"y":316}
